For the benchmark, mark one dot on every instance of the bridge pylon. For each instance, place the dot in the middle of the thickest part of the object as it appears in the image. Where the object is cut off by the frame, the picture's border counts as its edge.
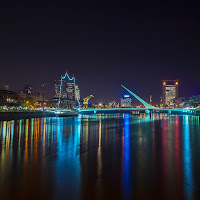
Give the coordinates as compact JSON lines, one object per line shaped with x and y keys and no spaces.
{"x":147,"y":105}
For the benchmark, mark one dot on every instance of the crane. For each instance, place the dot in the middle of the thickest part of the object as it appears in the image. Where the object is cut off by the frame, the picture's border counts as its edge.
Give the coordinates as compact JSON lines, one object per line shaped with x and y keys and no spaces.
{"x":112,"y":104}
{"x":85,"y":101}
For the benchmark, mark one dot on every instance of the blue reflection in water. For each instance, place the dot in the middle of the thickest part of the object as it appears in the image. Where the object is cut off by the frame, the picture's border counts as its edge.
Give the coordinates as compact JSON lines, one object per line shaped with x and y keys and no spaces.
{"x":188,"y":184}
{"x":42,"y":156}
{"x":59,"y":136}
{"x":126,"y":156}
{"x":68,"y":161}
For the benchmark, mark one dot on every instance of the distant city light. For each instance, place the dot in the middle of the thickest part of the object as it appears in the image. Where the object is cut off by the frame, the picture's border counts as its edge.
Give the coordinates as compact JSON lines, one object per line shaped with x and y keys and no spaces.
{"x":125,"y":96}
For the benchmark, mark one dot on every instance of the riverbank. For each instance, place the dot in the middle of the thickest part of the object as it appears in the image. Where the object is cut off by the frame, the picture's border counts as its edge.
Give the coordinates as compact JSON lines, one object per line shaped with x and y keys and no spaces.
{"x":12,"y":115}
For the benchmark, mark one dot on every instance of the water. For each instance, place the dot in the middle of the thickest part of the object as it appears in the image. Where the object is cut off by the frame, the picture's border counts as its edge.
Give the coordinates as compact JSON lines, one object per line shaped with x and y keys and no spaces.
{"x":115,"y":156}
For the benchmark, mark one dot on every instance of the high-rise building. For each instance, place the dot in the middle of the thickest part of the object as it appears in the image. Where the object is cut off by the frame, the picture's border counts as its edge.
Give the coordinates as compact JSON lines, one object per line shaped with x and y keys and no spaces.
{"x":63,"y":93}
{"x":71,"y":91}
{"x":77,"y":93}
{"x":68,"y":92}
{"x":170,"y":92}
{"x":150,"y":99}
{"x":27,"y":89}
{"x":57,"y":89}
{"x":126,"y":101}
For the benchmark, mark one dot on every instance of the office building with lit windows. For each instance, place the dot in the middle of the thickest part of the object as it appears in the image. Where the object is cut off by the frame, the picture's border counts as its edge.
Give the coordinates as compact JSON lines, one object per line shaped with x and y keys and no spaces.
{"x":71,"y":91}
{"x":126,"y":101}
{"x":169,"y":92}
{"x":69,"y":94}
{"x":77,"y":93}
{"x":57,"y":89}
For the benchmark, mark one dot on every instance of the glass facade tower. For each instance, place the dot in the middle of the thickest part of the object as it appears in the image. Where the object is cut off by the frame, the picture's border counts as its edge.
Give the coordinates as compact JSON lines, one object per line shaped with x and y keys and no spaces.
{"x":170,"y":92}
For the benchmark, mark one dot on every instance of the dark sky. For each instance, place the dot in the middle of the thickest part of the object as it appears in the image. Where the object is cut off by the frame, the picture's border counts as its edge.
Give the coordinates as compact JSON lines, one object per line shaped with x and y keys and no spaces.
{"x":103,"y":44}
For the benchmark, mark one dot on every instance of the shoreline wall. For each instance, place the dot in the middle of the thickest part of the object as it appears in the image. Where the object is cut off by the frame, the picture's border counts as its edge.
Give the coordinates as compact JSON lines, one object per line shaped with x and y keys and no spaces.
{"x":6,"y":116}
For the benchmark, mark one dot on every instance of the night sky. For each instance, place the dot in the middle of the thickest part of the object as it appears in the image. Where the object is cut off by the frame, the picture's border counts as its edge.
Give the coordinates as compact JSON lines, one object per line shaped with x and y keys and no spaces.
{"x":103,"y":44}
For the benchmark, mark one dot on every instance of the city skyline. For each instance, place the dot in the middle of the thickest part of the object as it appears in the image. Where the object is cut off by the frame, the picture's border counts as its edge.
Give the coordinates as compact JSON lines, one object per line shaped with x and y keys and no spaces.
{"x":104,"y":46}
{"x":99,"y":100}
{"x":56,"y":82}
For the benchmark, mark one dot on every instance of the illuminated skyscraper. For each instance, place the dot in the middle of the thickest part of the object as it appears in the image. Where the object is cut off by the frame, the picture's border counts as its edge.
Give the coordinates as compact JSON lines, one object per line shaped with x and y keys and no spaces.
{"x":126,"y":101}
{"x":67,"y":92}
{"x":77,"y":93}
{"x":170,"y":92}
{"x":63,"y":88}
{"x":70,"y":91}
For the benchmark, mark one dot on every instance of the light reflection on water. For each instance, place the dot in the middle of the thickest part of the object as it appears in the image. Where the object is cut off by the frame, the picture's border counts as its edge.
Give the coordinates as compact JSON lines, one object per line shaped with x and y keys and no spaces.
{"x":106,"y":156}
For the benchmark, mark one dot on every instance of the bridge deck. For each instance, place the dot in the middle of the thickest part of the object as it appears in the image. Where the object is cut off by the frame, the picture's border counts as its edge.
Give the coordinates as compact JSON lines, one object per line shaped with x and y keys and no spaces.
{"x":132,"y":109}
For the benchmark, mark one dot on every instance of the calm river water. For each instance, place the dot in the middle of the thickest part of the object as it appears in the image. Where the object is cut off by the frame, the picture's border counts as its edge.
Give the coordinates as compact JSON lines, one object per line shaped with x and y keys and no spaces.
{"x":105,"y":156}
